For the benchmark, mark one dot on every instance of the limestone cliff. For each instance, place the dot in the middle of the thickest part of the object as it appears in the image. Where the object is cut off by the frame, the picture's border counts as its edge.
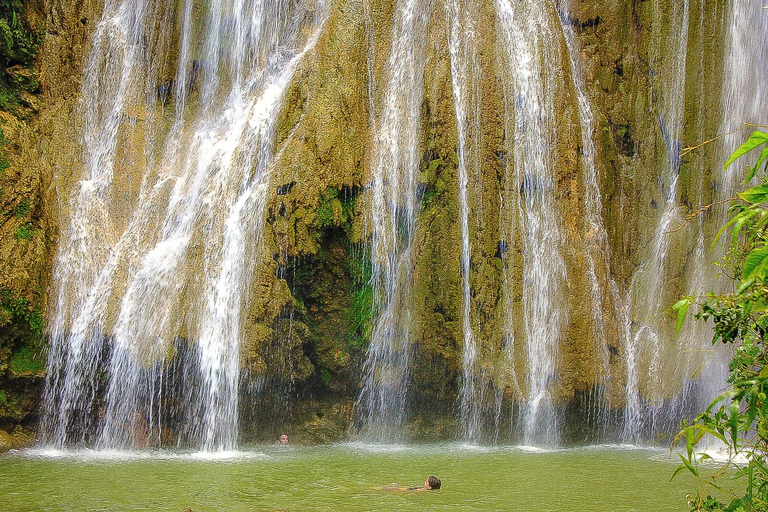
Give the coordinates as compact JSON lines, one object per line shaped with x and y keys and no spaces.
{"x":309,"y":313}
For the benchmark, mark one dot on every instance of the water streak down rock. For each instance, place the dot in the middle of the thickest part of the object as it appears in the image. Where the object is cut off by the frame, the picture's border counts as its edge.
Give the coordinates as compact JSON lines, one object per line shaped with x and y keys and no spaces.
{"x":394,"y":211}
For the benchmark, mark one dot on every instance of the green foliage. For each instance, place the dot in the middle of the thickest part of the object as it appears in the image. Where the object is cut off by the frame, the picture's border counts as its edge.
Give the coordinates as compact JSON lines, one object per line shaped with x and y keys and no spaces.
{"x":334,"y":211}
{"x":18,"y":48}
{"x":338,"y":212}
{"x":755,"y":140}
{"x":361,"y":312}
{"x":738,"y":417}
{"x":23,"y":233}
{"x":361,"y":316}
{"x":18,"y":309}
{"x":326,"y":376}
{"x":27,"y":362}
{"x":11,"y":406}
{"x":22,"y":209}
{"x":682,"y":309}
{"x":18,"y":43}
{"x":26,"y":230}
{"x":324,"y":215}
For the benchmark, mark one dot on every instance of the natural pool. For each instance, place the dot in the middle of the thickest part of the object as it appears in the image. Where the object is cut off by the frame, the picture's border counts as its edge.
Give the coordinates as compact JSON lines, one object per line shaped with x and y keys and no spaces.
{"x":345,"y":477}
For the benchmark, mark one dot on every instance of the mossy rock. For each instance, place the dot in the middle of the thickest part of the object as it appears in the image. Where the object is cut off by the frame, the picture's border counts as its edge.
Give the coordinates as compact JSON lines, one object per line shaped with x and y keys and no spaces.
{"x":15,"y":406}
{"x":27,"y":362}
{"x":327,"y":425}
{"x":17,"y":440}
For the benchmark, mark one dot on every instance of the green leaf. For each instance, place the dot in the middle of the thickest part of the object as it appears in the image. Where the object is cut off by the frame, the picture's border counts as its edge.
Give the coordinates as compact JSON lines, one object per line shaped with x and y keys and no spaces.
{"x":719,"y":436}
{"x":699,"y":436}
{"x":753,"y":170}
{"x":722,"y":230}
{"x":689,"y":442}
{"x":681,"y":307}
{"x":762,"y":220}
{"x":678,"y":470}
{"x":741,"y":218}
{"x":745,"y":285}
{"x":734,"y":422}
{"x":688,"y":465}
{"x":756,"y":139}
{"x":755,"y":261}
{"x":755,"y":195}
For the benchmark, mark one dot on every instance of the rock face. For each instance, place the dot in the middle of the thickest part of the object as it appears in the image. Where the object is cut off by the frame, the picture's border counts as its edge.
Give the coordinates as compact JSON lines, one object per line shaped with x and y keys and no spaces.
{"x":15,"y":441}
{"x":310,"y":311}
{"x":27,"y":228}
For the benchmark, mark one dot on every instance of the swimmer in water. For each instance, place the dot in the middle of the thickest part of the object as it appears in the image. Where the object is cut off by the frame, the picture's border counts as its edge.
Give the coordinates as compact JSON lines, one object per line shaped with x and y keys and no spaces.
{"x":430,"y":484}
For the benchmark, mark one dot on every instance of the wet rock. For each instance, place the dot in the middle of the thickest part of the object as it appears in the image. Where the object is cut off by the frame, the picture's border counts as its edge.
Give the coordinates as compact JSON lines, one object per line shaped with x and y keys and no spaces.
{"x":284,"y":189}
{"x":30,"y":100}
{"x":23,"y":77}
{"x":18,"y":440}
{"x":328,"y":426}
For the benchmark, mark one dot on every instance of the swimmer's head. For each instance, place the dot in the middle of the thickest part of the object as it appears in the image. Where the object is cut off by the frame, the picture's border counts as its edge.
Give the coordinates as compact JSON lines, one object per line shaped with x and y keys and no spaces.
{"x":432,"y":483}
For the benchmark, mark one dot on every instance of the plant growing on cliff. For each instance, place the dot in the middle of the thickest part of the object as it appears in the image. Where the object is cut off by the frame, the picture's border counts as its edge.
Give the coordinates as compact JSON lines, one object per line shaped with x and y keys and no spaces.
{"x":18,"y":309}
{"x":739,"y":416}
{"x":362,"y":309}
{"x":18,"y":43}
{"x":18,"y":48}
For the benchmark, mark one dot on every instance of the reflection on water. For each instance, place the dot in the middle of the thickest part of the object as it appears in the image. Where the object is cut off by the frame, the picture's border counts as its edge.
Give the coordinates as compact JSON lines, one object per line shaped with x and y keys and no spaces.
{"x":344,"y":477}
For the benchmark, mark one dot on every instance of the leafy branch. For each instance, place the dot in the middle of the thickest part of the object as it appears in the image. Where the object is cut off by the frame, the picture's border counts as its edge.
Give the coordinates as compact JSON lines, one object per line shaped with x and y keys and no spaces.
{"x":738,"y":418}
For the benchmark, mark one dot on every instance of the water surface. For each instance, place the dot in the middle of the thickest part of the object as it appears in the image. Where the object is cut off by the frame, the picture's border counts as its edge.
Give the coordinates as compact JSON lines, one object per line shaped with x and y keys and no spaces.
{"x":345,"y":477}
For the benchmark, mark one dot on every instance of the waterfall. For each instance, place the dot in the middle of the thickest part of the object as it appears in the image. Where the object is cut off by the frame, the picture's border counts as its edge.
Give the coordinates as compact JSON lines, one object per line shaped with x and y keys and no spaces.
{"x":151,"y":280}
{"x":646,"y":294}
{"x":381,"y":404}
{"x":683,"y":377}
{"x":743,"y":99}
{"x":465,"y":73}
{"x":596,"y":246}
{"x":527,"y":31}
{"x":163,"y":224}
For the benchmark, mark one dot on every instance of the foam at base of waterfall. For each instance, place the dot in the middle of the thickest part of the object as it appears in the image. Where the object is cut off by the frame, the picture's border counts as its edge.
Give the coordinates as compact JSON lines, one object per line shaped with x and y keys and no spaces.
{"x":87,"y":455}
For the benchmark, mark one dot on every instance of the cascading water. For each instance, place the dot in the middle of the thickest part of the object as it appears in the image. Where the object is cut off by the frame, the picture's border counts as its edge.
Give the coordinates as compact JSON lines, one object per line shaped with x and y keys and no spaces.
{"x":597,"y":247}
{"x":701,"y":366}
{"x":684,"y":377}
{"x":115,"y":71}
{"x":743,"y":102}
{"x":525,"y":27}
{"x":162,"y":232}
{"x":465,"y":73}
{"x":138,"y":293}
{"x":382,"y":401}
{"x":647,"y":289}
{"x":744,"y":98}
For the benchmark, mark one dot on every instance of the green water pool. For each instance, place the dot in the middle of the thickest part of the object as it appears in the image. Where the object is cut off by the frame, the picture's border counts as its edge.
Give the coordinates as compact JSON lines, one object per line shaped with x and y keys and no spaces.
{"x":345,"y":478}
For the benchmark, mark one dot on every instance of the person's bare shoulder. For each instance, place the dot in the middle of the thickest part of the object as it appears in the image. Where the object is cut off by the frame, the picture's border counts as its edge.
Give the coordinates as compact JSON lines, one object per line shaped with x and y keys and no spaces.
{"x":392,"y":487}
